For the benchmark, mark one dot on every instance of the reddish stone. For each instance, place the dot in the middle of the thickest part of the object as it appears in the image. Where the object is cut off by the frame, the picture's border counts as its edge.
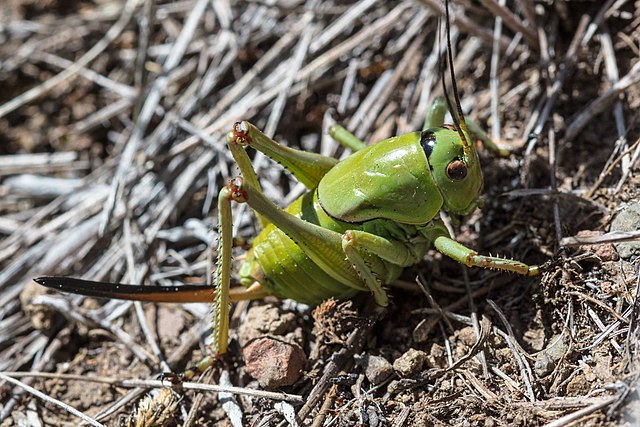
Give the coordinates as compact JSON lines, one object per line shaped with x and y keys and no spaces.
{"x":274,"y":363}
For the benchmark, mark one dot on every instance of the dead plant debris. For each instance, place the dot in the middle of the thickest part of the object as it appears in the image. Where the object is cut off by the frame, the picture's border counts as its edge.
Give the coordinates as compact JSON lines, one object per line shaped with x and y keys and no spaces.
{"x":112,"y":117}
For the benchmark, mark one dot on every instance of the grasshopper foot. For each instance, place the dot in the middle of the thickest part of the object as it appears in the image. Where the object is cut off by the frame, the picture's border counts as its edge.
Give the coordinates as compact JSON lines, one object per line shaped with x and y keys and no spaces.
{"x":176,"y":379}
{"x":239,"y":134}
{"x":199,"y":368}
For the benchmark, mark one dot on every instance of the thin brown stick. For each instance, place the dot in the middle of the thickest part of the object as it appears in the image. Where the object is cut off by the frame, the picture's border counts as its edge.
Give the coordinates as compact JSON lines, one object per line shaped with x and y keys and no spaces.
{"x":598,"y":105}
{"x":133,"y":383}
{"x":610,"y":237}
{"x":577,"y":415}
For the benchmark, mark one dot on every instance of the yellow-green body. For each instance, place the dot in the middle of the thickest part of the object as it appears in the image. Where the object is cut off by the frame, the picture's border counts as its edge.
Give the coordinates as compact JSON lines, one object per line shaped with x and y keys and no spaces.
{"x":363,"y":220}
{"x":387,"y":189}
{"x":289,"y":273}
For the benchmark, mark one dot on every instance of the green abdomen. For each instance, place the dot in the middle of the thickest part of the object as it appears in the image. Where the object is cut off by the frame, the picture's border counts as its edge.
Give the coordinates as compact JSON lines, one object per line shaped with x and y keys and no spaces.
{"x":288,"y":272}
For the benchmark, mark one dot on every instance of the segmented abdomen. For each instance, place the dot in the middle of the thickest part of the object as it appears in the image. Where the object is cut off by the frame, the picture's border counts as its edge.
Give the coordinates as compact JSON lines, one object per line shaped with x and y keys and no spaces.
{"x":288,"y":272}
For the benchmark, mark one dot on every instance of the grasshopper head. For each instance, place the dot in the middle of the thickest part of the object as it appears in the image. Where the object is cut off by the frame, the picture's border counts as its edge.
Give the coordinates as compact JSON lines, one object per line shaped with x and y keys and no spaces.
{"x":455,"y":168}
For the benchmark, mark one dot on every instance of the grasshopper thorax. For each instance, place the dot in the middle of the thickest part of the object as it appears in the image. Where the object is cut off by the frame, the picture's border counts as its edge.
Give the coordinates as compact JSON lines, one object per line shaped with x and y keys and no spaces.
{"x":406,"y":179}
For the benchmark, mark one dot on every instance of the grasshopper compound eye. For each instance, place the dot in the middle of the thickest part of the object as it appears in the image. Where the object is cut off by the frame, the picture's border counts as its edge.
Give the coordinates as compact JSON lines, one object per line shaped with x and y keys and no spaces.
{"x":456,"y":170}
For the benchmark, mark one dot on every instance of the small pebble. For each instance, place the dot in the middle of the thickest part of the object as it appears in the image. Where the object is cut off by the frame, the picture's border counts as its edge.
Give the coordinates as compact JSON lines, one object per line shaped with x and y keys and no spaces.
{"x":543,"y":366}
{"x":377,"y":369}
{"x":549,"y":357}
{"x":437,"y":357}
{"x":274,"y":363}
{"x":604,"y":251}
{"x":410,"y":363}
{"x":467,"y":336}
{"x":627,"y":219}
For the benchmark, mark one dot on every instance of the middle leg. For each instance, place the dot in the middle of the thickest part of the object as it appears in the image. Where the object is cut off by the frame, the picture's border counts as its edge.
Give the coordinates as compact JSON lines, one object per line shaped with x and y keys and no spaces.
{"x":356,"y":244}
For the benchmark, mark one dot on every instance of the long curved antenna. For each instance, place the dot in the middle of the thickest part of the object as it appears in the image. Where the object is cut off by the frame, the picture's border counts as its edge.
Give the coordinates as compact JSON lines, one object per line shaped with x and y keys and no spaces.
{"x":445,"y":91}
{"x":461,"y":124}
{"x":443,"y":79}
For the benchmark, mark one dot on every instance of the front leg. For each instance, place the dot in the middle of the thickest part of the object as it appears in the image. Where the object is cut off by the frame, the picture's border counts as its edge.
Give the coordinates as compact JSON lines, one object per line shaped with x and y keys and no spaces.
{"x":449,"y":247}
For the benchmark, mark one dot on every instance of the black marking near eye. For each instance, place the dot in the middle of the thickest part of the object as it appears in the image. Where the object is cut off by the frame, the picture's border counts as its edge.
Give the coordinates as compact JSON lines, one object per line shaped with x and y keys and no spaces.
{"x":427,"y":141}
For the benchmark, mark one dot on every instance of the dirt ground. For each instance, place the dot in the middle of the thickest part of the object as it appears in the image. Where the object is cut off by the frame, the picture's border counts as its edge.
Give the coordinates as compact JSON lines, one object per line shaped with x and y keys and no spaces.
{"x":112,"y":153}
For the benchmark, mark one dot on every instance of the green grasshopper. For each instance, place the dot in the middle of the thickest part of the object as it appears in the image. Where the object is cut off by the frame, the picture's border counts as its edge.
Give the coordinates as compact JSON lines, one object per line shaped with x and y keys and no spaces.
{"x":363,"y":220}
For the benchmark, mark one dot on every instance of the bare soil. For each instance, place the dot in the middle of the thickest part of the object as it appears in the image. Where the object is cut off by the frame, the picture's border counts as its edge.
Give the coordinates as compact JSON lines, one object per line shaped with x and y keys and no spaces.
{"x":112,"y":124}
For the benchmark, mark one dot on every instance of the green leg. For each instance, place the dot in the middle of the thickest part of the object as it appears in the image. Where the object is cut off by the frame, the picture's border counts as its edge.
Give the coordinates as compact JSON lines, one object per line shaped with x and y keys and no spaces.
{"x":222,"y":277}
{"x":322,"y":246}
{"x":235,"y":144}
{"x":355,"y":243}
{"x":346,"y":138}
{"x":471,"y":258}
{"x":224,"y":294}
{"x":435,"y":115}
{"x":389,"y":250}
{"x":308,"y":168}
{"x":220,"y":334}
{"x":366,"y":273}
